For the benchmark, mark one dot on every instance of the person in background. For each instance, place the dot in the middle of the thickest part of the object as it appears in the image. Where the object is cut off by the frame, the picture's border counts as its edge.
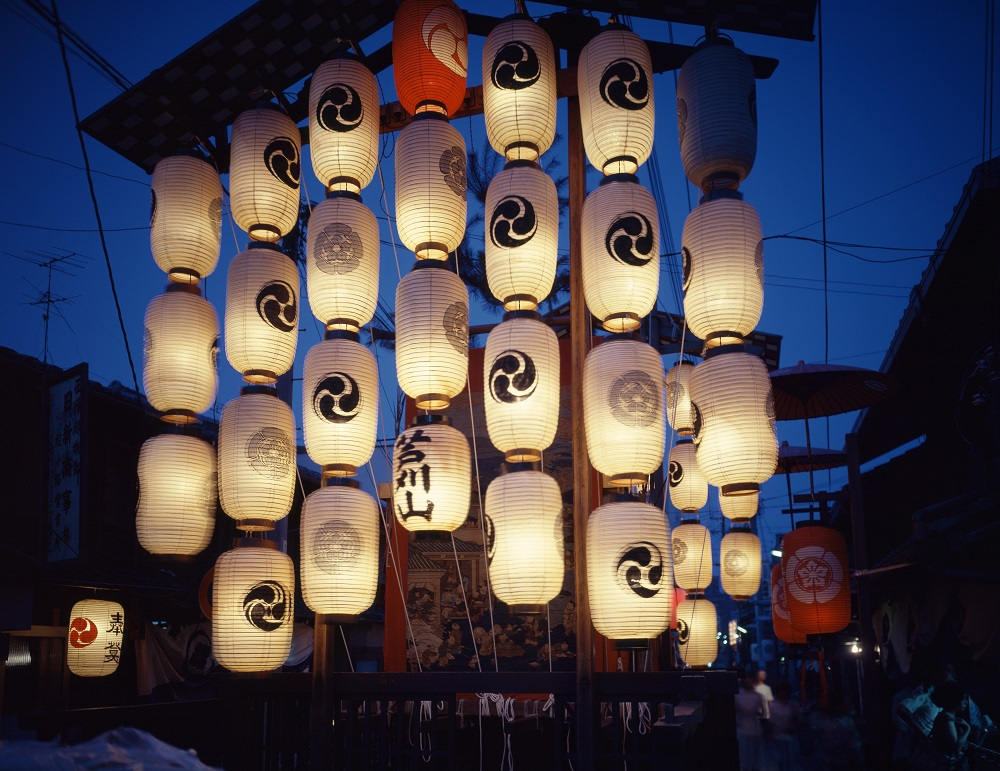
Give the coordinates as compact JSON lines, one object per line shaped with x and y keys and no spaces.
{"x":785,"y":719}
{"x":950,"y":734}
{"x":765,"y":691}
{"x":750,"y":707}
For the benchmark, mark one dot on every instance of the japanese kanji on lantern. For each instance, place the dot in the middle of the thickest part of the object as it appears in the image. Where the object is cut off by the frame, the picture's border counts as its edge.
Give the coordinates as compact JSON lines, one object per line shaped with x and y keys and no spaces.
{"x":692,"y":550}
{"x":680,"y":416}
{"x":94,"y":637}
{"x":817,"y":581}
{"x":697,"y":630}
{"x":780,"y":619}
{"x":688,"y":486}
{"x":739,"y":563}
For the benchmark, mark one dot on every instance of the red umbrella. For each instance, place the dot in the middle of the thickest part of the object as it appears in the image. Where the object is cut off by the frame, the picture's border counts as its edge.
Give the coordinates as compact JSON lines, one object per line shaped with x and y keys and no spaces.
{"x":794,"y":459}
{"x":818,"y":390}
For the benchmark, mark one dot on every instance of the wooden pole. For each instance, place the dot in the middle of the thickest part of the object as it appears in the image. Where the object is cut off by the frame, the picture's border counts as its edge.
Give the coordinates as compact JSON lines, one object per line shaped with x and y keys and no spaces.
{"x":321,"y":702}
{"x":859,"y":541}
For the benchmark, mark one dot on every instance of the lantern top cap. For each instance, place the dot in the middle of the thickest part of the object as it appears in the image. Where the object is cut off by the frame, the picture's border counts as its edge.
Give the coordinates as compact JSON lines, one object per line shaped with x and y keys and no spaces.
{"x":438,"y":264}
{"x":521,"y":163}
{"x":630,"y":178}
{"x":266,"y":104}
{"x":622,"y":496}
{"x":684,"y":440}
{"x":343,"y":194}
{"x":186,"y":288}
{"x":189,"y":152}
{"x":716,"y":38}
{"x":342,"y":334}
{"x":810,"y":523}
{"x":523,"y":314}
{"x":431,"y":420}
{"x":720,"y":193}
{"x":265,"y":390}
{"x":350,"y":482}
{"x":518,"y":16}
{"x":254,"y":543}
{"x":690,"y":520}
{"x":741,"y":525}
{"x":614,"y":26}
{"x":695,"y":596}
{"x":681,"y":363}
{"x":273,"y":246}
{"x":430,"y":114}
{"x":513,"y":468}
{"x":346,"y":54}
{"x":724,"y":349}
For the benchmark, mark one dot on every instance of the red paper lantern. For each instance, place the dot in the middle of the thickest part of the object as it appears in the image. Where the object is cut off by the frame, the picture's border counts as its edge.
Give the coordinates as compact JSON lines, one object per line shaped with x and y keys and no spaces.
{"x":430,"y":56}
{"x":783,"y":628}
{"x":817,"y":581}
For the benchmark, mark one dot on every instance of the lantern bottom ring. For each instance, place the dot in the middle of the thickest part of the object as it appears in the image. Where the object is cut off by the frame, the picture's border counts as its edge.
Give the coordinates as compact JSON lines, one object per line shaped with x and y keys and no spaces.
{"x":260,"y":376}
{"x":621,"y":322}
{"x":164,"y":557}
{"x":527,"y":609}
{"x":432,"y":250}
{"x":183,"y":276}
{"x":339,"y":470}
{"x":742,"y":488}
{"x":432,"y":401}
{"x":522,"y":455}
{"x":337,"y":618}
{"x":521,"y":151}
{"x":627,"y":479}
{"x":723,"y":337}
{"x":632,"y":643}
{"x":179,"y":417}
{"x":254,"y":525}
{"x":520,"y":302}
{"x":342,"y":325}
{"x":343,"y":184}
{"x":262,"y":232}
{"x":621,"y":164}
{"x":720,"y":180}
{"x":740,"y":597}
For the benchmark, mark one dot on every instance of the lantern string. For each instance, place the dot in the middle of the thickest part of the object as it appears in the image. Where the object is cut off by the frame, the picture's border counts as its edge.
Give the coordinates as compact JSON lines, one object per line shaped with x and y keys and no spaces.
{"x":383,"y":198}
{"x":347,"y":648}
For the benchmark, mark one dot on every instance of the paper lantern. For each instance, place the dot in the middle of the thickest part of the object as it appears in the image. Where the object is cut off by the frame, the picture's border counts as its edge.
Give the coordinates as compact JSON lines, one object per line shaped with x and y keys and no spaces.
{"x":692,"y":550}
{"x":519,"y":93}
{"x":430,"y":187}
{"x":432,"y":335}
{"x":177,"y":484}
{"x":265,"y":166}
{"x":697,"y":630}
{"x":739,"y":507}
{"x":343,"y":124}
{"x":739,"y":564}
{"x":430,"y":56}
{"x":629,"y":570}
{"x":180,"y":345}
{"x":780,"y":619}
{"x":623,"y":411}
{"x":340,"y":404}
{"x":717,"y":115}
{"x":432,"y":473}
{"x":614,"y":78}
{"x":621,"y":255}
{"x":262,"y":313}
{"x":688,"y":487}
{"x":342,"y":262}
{"x":737,"y":448}
{"x":524,"y":539}
{"x":185,"y":221}
{"x":94,"y":638}
{"x":723,"y":257}
{"x":679,"y":413}
{"x":253,"y":607}
{"x":521,"y":375}
{"x":522,"y":237}
{"x":339,"y":548}
{"x":817,"y":580}
{"x":256,"y":459}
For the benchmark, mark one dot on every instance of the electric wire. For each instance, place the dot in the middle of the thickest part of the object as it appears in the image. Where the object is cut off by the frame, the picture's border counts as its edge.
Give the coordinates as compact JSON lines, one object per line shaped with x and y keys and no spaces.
{"x":61,"y":162}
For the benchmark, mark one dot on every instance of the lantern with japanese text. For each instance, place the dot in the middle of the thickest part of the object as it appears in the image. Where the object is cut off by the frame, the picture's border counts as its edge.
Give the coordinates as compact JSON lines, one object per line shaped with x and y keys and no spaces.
{"x":680,"y":416}
{"x":688,"y":488}
{"x":739,"y":563}
{"x":94,"y":637}
{"x":697,"y":631}
{"x":430,"y":56}
{"x":780,"y":619}
{"x":432,"y":475}
{"x":817,"y":580}
{"x":692,"y":549}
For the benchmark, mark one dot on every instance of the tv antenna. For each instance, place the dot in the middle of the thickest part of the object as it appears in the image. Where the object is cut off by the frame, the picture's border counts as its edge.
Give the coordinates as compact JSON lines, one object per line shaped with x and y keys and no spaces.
{"x":65,"y":262}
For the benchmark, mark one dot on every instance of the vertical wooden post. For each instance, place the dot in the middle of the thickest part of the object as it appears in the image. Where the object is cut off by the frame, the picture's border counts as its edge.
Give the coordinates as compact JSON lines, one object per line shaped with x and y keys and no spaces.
{"x":859,"y":541}
{"x":321,"y":702}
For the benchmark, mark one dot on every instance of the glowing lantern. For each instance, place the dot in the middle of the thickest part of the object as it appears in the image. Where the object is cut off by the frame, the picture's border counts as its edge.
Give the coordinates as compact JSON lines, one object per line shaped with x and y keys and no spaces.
{"x":256,"y":458}
{"x":615,"y":83}
{"x":628,"y":570}
{"x":430,"y":55}
{"x":780,"y":619}
{"x":339,"y":547}
{"x":734,"y":420}
{"x":521,"y":374}
{"x":621,"y":257}
{"x":432,"y":469}
{"x":692,"y":549}
{"x":180,"y":345}
{"x":430,"y":187}
{"x":697,"y":627}
{"x":522,"y":236}
{"x":185,"y":221}
{"x":717,"y":115}
{"x":262,"y":313}
{"x":340,"y":403}
{"x":253,"y":607}
{"x":524,"y":539}
{"x":519,"y":94}
{"x":723,"y":257}
{"x":817,"y":581}
{"x":623,"y":411}
{"x":343,"y":124}
{"x":342,"y":262}
{"x":177,"y":484}
{"x":688,"y":488}
{"x":265,"y":166}
{"x":94,"y":637}
{"x":432,"y":335}
{"x":739,"y":563}
{"x":739,"y":506}
{"x":679,"y":412}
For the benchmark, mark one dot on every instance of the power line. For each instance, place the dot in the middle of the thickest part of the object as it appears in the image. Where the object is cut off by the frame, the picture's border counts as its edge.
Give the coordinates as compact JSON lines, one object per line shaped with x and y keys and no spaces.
{"x":31,"y":226}
{"x":33,"y":154}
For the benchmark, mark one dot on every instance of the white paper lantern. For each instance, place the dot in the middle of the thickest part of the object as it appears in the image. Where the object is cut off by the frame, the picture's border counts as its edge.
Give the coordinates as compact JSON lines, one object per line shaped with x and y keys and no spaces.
{"x":723,"y":256}
{"x":342,"y":262}
{"x":343,"y":124}
{"x":697,"y":630}
{"x":629,"y":570}
{"x":621,"y":254}
{"x":253,"y":607}
{"x":524,"y":539}
{"x":180,"y":346}
{"x":717,"y":115}
{"x":688,"y":486}
{"x":737,"y":448}
{"x":430,"y":187}
{"x":614,"y":78}
{"x":692,"y":550}
{"x":185,"y":221}
{"x":521,"y":375}
{"x":94,"y":637}
{"x":739,"y":564}
{"x":519,"y":89}
{"x":262,"y":313}
{"x":623,"y":410}
{"x":522,"y":237}
{"x":679,"y":413}
{"x":432,"y":476}
{"x":264,"y":171}
{"x":432,"y":335}
{"x":256,"y":459}
{"x":738,"y":507}
{"x":339,"y":548}
{"x":177,"y":485}
{"x":340,"y":404}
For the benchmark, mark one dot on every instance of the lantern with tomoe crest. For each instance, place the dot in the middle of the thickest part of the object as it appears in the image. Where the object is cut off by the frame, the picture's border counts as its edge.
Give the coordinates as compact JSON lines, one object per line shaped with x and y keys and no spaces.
{"x":94,"y":637}
{"x":679,"y":413}
{"x":430,"y":56}
{"x":688,"y":487}
{"x":697,"y":630}
{"x":692,"y":550}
